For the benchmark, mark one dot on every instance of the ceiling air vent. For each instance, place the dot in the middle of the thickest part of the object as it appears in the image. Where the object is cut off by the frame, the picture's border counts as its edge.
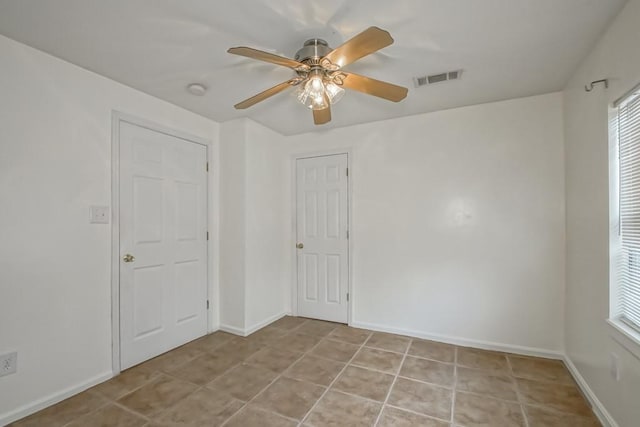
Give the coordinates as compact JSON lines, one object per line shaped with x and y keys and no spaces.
{"x":437,"y":78}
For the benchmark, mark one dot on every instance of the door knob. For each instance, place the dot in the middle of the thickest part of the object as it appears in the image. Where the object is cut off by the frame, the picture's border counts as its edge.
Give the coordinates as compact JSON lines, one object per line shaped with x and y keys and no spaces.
{"x":299,"y":246}
{"x":128,"y":258}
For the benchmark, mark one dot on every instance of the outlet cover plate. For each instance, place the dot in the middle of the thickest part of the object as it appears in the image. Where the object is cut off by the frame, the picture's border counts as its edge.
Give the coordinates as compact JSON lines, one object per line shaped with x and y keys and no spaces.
{"x":99,"y":214}
{"x":8,"y":363}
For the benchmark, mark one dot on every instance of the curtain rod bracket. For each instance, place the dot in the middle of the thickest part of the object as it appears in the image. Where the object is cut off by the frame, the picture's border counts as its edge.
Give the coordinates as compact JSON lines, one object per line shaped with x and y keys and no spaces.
{"x":589,"y":87}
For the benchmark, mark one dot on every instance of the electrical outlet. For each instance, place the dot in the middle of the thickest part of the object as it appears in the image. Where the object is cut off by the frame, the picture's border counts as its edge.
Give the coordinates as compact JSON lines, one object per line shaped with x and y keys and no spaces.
{"x":614,"y":366}
{"x":8,"y":363}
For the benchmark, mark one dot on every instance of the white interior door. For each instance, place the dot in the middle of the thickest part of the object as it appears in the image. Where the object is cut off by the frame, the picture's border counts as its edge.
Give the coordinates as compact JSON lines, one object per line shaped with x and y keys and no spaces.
{"x":322,"y":237}
{"x":163,"y":226}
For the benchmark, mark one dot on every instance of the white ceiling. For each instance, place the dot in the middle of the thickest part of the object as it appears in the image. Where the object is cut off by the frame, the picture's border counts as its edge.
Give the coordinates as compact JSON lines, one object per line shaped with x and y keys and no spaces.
{"x":507,"y":48}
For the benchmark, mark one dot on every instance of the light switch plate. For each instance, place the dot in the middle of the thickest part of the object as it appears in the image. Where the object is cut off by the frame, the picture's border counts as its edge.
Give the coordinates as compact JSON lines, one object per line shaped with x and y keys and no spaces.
{"x":99,"y":214}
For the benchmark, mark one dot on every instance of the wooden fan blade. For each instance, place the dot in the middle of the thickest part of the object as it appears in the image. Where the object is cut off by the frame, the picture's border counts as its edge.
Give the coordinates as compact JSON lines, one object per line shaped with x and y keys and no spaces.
{"x":321,"y":117}
{"x":375,"y":87}
{"x":268,"y":57}
{"x":370,"y":40}
{"x":264,"y":95}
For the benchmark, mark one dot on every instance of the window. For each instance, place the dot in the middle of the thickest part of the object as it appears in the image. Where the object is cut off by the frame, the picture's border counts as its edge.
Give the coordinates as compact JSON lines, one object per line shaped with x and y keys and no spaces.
{"x":627,"y":276}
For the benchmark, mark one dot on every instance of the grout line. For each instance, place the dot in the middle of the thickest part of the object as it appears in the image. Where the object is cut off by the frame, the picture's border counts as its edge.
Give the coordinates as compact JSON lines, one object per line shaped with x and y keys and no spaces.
{"x":121,"y":406}
{"x":455,"y":383}
{"x":347,"y":364}
{"x":518,"y":395}
{"x":393,"y":383}
{"x":280,"y":375}
{"x":87,"y":414}
{"x":389,"y":405}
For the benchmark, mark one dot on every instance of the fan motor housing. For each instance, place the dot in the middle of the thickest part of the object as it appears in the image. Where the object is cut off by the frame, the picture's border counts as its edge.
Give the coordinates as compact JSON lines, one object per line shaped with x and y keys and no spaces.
{"x":313,"y":49}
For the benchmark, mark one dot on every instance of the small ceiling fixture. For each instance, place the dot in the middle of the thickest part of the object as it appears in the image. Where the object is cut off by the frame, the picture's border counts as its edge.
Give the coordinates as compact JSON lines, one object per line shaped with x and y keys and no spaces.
{"x":197,"y":89}
{"x":319,"y":76}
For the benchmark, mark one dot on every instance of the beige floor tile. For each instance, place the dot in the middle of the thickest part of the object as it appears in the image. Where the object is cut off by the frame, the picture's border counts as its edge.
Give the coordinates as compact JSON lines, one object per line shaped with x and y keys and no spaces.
{"x":157,"y":395}
{"x":126,"y":382}
{"x":295,"y":342}
{"x":288,"y":397}
{"x":239,"y":348}
{"x":338,"y":409}
{"x":317,"y":328}
{"x":364,"y":382}
{"x":335,"y":350}
{"x":488,"y":383}
{"x":315,"y":370}
{"x":561,"y":397}
{"x":380,"y":360}
{"x":288,"y":322}
{"x":251,"y":416}
{"x":172,"y":360}
{"x":428,"y":370}
{"x":205,"y":368}
{"x":426,"y":399}
{"x":535,"y":368}
{"x":273,"y":359}
{"x":389,"y":342}
{"x":236,"y":369}
{"x":244,"y":381}
{"x":204,"y":407}
{"x":479,"y":411}
{"x":542,"y":417}
{"x":267,"y":335}
{"x":110,"y":416}
{"x":65,"y":411}
{"x":212,"y":341}
{"x":394,"y":417}
{"x":482,"y":359}
{"x":432,"y":350}
{"x":350,"y":335}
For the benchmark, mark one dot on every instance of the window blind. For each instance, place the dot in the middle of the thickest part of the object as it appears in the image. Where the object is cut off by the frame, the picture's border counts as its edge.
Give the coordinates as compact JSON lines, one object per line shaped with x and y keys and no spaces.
{"x":629,"y":199}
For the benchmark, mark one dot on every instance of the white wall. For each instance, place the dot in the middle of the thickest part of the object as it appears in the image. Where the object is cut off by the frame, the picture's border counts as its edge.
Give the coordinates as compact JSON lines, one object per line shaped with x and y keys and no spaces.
{"x":55,"y":161}
{"x":253,"y":279}
{"x":267,"y":223}
{"x":458,"y":222}
{"x":589,"y":340}
{"x":232,"y":225}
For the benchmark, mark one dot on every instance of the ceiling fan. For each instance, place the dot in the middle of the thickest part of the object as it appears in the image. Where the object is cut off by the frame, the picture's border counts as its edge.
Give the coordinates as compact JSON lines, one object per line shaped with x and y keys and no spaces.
{"x":319,"y":76}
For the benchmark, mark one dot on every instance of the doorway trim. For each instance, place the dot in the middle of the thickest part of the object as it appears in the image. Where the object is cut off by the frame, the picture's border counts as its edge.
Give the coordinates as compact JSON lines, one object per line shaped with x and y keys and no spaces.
{"x":294,"y":225}
{"x":118,"y":117}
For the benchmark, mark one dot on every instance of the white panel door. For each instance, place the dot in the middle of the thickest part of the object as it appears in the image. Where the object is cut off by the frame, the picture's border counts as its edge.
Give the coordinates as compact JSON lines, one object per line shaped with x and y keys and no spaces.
{"x":322,"y":243}
{"x":163,"y":217}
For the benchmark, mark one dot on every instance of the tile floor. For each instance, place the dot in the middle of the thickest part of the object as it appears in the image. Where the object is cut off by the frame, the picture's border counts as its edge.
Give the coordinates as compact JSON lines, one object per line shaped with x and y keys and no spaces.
{"x":300,"y":372}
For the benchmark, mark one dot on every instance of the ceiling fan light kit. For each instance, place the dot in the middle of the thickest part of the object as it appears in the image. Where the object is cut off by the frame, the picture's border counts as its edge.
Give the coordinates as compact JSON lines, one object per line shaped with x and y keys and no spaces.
{"x":319,"y":79}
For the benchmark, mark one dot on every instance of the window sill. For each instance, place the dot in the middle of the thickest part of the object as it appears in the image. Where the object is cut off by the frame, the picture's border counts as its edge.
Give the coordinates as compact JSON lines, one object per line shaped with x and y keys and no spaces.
{"x":626,"y":336}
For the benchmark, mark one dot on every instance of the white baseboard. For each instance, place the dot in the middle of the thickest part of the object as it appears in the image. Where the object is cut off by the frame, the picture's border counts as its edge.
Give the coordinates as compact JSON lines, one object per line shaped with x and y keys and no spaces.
{"x":464,"y":342}
{"x":243,"y":332}
{"x":52,"y":399}
{"x":232,"y":330}
{"x":265,"y":322}
{"x":598,"y":408}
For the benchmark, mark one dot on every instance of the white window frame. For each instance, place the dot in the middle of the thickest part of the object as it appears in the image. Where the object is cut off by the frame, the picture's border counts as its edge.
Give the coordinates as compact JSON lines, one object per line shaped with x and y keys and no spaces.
{"x":625,"y":334}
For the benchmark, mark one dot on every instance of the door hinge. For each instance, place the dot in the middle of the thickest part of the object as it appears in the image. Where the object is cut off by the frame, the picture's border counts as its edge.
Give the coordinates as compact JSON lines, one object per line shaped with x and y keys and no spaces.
{"x":347,"y":234}
{"x":347,"y":171}
{"x":207,"y":304}
{"x":347,"y":296}
{"x":207,"y":167}
{"x":207,"y":235}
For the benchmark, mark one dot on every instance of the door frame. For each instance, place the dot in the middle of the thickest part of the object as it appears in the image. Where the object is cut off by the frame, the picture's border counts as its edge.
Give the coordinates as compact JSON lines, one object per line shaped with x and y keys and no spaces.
{"x":294,"y":225}
{"x":118,"y":117}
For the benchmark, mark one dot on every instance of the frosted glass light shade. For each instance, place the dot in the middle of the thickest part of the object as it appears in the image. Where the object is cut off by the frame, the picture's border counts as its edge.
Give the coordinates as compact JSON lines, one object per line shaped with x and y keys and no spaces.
{"x":334,"y":92}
